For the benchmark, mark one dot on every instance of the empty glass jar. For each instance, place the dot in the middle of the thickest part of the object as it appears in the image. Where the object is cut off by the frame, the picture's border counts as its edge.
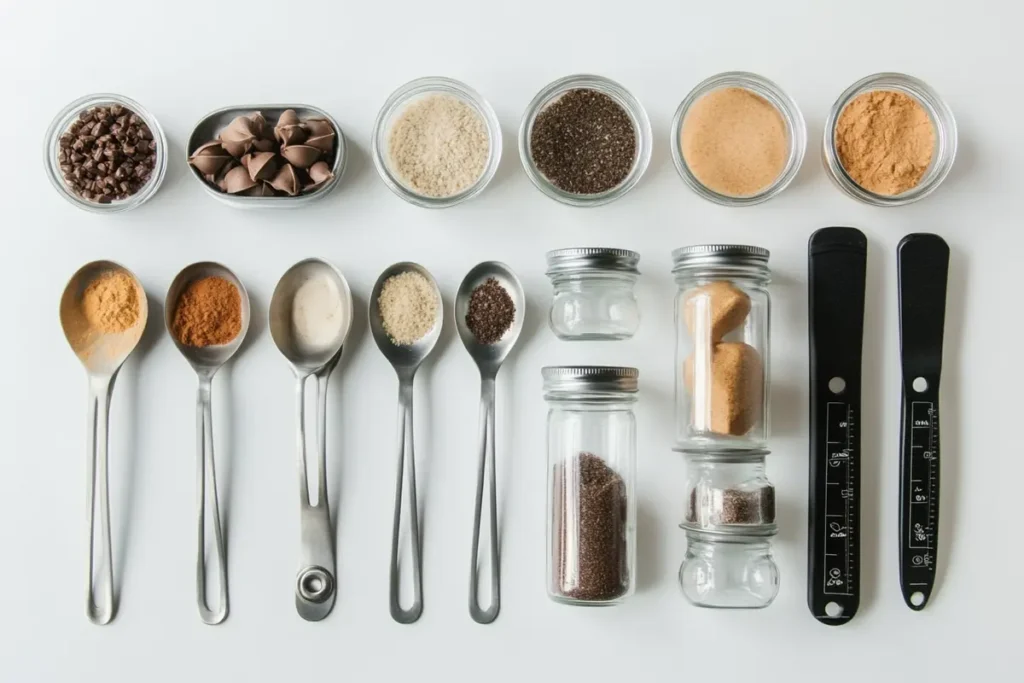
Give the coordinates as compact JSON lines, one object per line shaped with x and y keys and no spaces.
{"x":727,"y":570}
{"x":591,"y":530}
{"x":722,"y":317}
{"x":593,"y":293}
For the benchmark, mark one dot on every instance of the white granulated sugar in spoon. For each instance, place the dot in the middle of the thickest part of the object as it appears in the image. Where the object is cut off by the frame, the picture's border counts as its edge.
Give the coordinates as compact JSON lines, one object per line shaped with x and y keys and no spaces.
{"x":438,"y":145}
{"x":318,"y":313}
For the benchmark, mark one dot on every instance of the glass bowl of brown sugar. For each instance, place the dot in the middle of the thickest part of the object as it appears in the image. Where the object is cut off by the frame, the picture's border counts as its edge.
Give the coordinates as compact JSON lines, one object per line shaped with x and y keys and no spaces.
{"x":889,"y":140}
{"x":738,"y":139}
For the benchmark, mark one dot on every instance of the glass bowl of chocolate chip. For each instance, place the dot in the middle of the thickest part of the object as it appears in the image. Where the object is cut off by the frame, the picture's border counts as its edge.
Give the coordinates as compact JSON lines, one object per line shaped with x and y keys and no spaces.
{"x":105,"y":153}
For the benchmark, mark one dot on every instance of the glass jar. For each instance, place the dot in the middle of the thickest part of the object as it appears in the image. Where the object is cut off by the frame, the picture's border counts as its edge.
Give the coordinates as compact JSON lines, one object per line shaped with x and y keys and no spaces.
{"x":396,"y":104}
{"x":728,"y":492}
{"x":729,"y":571}
{"x":945,"y":139}
{"x":591,"y":531}
{"x":625,"y":99}
{"x":722,"y":314}
{"x":593,"y":293}
{"x":60,"y":125}
{"x":796,"y":134}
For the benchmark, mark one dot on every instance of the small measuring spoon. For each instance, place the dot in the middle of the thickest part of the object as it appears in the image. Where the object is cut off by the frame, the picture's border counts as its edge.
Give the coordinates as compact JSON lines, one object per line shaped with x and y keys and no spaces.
{"x":206,"y":361}
{"x":489,"y":358}
{"x":313,"y":354}
{"x":405,"y":360}
{"x":102,"y":355}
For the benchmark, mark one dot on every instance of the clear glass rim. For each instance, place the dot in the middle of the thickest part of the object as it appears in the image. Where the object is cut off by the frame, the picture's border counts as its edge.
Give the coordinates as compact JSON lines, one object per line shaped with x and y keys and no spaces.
{"x":62,"y":122}
{"x":625,"y":99}
{"x":945,"y":138}
{"x":394,"y":103}
{"x":748,"y":535}
{"x":791,"y":115}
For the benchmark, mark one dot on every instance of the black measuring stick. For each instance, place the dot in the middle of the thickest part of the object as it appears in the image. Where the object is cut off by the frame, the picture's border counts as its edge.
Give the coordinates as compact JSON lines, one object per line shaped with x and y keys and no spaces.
{"x":923,"y":266}
{"x":837,"y":262}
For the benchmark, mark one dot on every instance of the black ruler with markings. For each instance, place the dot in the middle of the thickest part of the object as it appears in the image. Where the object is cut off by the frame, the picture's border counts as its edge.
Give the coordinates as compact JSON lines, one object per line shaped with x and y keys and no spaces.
{"x":837,"y":264}
{"x":923,"y":266}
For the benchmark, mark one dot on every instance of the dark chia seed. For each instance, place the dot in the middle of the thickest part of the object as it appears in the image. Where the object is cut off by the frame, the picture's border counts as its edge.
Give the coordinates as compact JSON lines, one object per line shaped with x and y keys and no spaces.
{"x":716,"y":507}
{"x":583,"y":142}
{"x":491,"y":312}
{"x":590,"y":554}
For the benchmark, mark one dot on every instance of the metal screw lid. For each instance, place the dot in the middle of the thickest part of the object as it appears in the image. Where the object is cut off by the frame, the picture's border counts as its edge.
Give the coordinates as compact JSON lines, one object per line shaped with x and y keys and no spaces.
{"x":590,"y":378}
{"x":719,"y":254}
{"x":592,"y":258}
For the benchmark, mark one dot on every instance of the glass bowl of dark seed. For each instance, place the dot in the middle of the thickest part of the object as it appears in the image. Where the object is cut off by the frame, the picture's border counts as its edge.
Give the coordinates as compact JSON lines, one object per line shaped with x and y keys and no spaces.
{"x":585,"y":140}
{"x":105,"y":153}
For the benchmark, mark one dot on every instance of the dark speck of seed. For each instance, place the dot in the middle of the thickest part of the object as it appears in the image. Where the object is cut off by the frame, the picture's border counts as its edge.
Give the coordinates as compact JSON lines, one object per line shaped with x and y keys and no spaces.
{"x":583,"y":142}
{"x":491,"y":312}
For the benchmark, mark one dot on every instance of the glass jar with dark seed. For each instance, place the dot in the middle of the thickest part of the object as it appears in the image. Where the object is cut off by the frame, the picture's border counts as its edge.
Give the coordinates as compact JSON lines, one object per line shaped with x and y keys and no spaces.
{"x":591,"y":478}
{"x":728,"y":492}
{"x":99,"y":177}
{"x":585,"y":140}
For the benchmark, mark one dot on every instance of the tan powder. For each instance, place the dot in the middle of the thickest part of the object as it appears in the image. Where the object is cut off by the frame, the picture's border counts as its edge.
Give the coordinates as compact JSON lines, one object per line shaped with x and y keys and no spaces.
{"x":735,"y":142}
{"x":885,"y":141}
{"x":408,"y":307}
{"x":110,"y":303}
{"x":438,"y":146}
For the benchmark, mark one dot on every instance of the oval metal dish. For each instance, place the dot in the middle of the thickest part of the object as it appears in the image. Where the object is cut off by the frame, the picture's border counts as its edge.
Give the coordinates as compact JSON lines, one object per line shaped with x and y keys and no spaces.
{"x":211,"y":125}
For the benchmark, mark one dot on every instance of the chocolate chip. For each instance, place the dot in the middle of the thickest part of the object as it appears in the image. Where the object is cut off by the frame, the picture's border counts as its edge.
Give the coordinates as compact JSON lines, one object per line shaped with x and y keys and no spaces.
{"x":106,"y":154}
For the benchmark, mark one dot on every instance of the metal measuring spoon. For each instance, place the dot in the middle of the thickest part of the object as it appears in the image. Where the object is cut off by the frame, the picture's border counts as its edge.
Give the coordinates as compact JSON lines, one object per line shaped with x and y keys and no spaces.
{"x":206,"y":361}
{"x":489,"y":358}
{"x":405,"y":360}
{"x":102,"y":355}
{"x":316,"y":582}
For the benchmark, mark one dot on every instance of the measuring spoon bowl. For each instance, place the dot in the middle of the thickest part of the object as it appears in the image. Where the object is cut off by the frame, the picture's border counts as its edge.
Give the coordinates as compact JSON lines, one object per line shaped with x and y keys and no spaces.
{"x":489,"y":357}
{"x":101,"y":354}
{"x":206,"y":359}
{"x":405,"y":359}
{"x":305,"y":357}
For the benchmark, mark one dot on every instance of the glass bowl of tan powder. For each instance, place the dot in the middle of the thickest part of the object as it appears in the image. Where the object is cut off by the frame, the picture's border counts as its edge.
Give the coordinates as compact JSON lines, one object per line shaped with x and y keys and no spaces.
{"x":738,"y":139}
{"x":436,"y":142}
{"x":889,"y":140}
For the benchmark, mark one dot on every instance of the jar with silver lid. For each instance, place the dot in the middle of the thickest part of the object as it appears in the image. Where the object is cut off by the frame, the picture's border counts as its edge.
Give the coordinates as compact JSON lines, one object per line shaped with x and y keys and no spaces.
{"x":591,"y":531}
{"x":722,"y":316}
{"x":593,"y":293}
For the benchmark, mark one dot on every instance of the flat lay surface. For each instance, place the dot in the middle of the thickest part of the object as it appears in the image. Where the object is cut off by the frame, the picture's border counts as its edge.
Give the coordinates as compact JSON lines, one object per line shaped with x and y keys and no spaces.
{"x":183,"y":60}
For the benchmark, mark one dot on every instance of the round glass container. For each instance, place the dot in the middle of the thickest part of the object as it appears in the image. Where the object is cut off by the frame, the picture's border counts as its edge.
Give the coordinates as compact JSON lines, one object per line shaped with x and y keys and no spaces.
{"x":945,"y":139}
{"x":591,"y":529}
{"x":722,"y":315}
{"x":796,"y":133}
{"x":60,"y":125}
{"x":729,"y":571}
{"x":394,"y":106}
{"x":728,"y":492}
{"x":632,"y":107}
{"x":593,"y":293}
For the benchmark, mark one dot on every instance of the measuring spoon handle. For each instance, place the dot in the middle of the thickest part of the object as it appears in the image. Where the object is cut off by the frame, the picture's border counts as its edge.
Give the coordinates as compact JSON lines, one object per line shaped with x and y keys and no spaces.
{"x":487,"y":464}
{"x":206,"y":473}
{"x":923,"y":268}
{"x":837,"y":263}
{"x":406,"y":467}
{"x":100,"y":604}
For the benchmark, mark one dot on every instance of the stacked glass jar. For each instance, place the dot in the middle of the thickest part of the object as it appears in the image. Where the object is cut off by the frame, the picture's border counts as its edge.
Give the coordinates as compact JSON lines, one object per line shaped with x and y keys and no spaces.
{"x":722,"y":349}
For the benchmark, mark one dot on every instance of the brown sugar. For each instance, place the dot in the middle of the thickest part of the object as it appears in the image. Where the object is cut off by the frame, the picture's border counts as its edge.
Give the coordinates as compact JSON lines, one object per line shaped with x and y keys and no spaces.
{"x":717,"y":308}
{"x":885,"y":141}
{"x":734,"y":389}
{"x":208,"y":313}
{"x":734,"y":142}
{"x":110,"y":303}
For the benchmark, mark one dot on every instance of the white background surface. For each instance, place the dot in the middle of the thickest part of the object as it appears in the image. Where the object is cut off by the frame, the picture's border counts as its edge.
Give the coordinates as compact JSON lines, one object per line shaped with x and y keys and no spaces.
{"x":182,"y":59}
